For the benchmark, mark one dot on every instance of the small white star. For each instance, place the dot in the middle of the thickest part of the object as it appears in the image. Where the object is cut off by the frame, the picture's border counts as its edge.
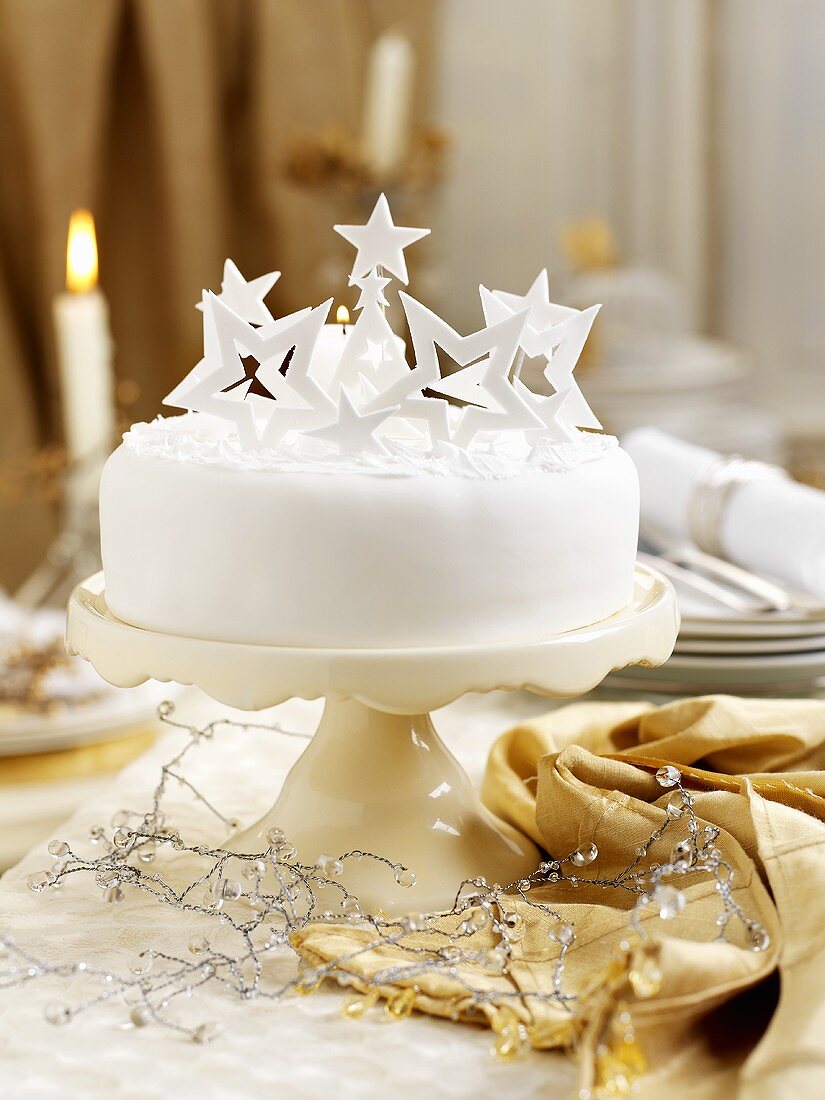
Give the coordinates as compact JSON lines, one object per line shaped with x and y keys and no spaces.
{"x":374,"y":355}
{"x":353,"y":432}
{"x":246,"y":298}
{"x":380,"y":242}
{"x":371,"y":287}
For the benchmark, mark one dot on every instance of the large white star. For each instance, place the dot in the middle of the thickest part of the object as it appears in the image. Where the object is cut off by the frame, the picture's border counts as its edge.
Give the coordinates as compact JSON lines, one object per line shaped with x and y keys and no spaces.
{"x":246,"y":298}
{"x":227,"y":337}
{"x":560,"y":339}
{"x":495,"y":405}
{"x":380,"y":242}
{"x":314,"y":405}
{"x":354,"y":432}
{"x":371,"y":287}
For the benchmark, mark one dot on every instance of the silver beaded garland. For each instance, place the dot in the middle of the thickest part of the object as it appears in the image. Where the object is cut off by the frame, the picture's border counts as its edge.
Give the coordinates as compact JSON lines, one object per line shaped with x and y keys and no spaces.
{"x":255,"y":920}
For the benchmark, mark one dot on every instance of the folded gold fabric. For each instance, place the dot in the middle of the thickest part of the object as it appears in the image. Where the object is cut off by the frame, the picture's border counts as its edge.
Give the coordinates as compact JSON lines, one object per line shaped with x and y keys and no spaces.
{"x":710,"y":1018}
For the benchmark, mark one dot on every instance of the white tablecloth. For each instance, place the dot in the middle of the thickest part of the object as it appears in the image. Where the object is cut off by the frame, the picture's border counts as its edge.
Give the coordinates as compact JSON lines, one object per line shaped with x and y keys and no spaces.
{"x":302,"y":1045}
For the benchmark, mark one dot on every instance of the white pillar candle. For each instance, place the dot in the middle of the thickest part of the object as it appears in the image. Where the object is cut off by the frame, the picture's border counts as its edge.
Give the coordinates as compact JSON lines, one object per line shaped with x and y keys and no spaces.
{"x":84,"y":347}
{"x":328,"y":351}
{"x":387,"y":101}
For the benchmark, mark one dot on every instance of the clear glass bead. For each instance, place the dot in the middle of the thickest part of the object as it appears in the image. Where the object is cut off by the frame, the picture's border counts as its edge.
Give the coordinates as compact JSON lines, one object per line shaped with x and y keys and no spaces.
{"x":562,"y":933}
{"x":147,"y":851}
{"x":112,"y":895}
{"x":584,"y":855}
{"x":141,"y":1015}
{"x":329,"y":866}
{"x":524,"y":885}
{"x":676,"y":804}
{"x":211,"y":902}
{"x":199,"y":945}
{"x":142,"y":964}
{"x":121,"y":838}
{"x":478,"y":919}
{"x":760,"y":940}
{"x":255,"y":868}
{"x":415,"y":922}
{"x":228,"y":889}
{"x":668,"y":776}
{"x":405,"y":877}
{"x":668,"y":900}
{"x":351,"y":906}
{"x":40,"y":880}
{"x":286,"y":851}
{"x":58,"y":848}
{"x":97,"y":833}
{"x":276,"y":836}
{"x":57,"y":1013}
{"x":494,"y":961}
{"x":107,"y":877}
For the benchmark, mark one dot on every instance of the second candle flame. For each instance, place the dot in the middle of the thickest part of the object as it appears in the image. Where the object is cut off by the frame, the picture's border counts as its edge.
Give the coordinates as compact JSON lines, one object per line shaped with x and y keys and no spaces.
{"x":81,"y":253}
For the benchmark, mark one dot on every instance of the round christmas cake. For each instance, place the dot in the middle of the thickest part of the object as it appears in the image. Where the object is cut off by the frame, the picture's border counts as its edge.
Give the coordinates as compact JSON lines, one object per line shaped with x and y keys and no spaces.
{"x":322,"y":491}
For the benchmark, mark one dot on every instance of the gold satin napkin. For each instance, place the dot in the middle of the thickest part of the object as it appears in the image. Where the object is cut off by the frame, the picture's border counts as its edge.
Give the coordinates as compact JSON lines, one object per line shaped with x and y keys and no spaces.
{"x":709,"y":1019}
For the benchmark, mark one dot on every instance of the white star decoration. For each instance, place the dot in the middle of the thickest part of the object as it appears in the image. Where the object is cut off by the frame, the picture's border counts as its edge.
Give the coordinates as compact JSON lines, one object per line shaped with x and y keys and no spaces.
{"x":226,"y":338}
{"x":495,"y":403}
{"x":354,"y":432}
{"x":380,"y":242}
{"x":246,"y":298}
{"x":259,"y":374}
{"x":557,"y":333}
{"x":374,"y":355}
{"x":371,"y":287}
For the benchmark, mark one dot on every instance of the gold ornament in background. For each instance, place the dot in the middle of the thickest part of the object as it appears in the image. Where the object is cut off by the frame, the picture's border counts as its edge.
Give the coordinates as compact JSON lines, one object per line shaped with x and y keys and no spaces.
{"x":334,"y":159}
{"x":24,"y":669}
{"x":589,"y":244}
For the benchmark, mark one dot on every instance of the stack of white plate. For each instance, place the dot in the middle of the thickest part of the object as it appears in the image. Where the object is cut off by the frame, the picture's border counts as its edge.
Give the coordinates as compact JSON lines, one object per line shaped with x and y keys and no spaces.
{"x":719,"y":651}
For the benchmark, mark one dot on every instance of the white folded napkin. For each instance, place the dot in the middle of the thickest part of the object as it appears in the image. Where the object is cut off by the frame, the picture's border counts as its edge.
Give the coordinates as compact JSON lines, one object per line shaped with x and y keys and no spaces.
{"x":772,"y":526}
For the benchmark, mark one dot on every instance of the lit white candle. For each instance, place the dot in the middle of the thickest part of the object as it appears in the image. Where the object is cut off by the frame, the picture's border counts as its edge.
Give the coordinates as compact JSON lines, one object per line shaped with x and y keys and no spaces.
{"x":84,"y":347}
{"x":387,"y":102}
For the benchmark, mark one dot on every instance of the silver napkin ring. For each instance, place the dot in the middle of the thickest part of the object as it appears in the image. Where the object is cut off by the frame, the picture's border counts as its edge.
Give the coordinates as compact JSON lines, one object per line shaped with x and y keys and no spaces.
{"x":711,"y":493}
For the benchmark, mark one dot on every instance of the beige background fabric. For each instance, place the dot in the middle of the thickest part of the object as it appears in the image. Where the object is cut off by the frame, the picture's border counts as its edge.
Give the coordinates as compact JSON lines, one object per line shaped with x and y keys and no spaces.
{"x":170,"y":119}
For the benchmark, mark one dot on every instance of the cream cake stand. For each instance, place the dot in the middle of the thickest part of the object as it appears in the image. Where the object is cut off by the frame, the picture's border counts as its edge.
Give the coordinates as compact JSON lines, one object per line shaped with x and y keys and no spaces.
{"x":375,"y":775}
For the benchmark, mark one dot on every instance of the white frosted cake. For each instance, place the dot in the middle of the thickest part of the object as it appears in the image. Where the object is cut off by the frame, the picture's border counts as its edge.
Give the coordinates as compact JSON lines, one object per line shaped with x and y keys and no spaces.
{"x":318,"y":497}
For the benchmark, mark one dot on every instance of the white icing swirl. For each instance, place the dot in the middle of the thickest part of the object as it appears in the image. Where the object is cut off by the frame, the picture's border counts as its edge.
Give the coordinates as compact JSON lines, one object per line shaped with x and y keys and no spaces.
{"x":196,"y":437}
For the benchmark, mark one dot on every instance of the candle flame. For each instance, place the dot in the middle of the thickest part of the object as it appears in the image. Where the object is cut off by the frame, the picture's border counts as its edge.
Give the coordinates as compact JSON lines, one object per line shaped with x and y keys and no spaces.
{"x":342,"y":315}
{"x":81,"y":253}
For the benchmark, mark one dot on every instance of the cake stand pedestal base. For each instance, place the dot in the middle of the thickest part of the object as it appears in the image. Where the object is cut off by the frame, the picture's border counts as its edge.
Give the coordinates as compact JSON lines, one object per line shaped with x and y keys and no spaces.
{"x":376,"y":776}
{"x":387,"y":784}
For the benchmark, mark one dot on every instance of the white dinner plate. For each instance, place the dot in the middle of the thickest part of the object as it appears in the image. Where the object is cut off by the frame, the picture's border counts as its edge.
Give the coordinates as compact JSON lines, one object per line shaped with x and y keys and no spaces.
{"x":732,"y":647}
{"x":702,"y":674}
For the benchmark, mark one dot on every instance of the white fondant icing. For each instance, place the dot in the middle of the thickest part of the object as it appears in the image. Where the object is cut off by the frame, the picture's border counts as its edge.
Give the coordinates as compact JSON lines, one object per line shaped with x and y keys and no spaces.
{"x":297,"y":548}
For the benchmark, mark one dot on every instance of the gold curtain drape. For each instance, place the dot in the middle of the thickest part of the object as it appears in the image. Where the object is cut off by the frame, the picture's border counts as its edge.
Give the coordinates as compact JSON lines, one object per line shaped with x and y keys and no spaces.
{"x":170,"y":120}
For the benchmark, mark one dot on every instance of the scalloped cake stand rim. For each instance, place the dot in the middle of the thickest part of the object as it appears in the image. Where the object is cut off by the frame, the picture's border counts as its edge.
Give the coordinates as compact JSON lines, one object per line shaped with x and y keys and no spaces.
{"x":401,"y":681}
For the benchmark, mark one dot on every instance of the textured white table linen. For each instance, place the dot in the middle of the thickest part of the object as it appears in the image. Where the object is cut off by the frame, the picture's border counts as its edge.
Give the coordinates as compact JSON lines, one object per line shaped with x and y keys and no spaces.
{"x":303,"y":1045}
{"x":774,"y":526}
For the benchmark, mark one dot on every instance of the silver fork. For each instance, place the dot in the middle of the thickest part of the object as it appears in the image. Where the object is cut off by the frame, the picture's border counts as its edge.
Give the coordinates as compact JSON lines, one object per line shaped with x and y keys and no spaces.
{"x":730,"y":585}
